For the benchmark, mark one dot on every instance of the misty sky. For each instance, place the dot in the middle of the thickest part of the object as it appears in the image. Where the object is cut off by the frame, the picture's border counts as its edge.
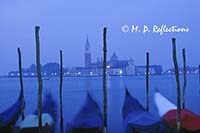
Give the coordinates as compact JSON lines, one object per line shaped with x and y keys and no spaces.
{"x":65,"y":25}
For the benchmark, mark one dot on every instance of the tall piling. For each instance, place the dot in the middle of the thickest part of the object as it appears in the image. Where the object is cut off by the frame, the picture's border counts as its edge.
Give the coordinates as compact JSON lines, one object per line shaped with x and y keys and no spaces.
{"x":178,"y":86}
{"x":61,"y":82}
{"x":185,"y":78}
{"x":104,"y":78}
{"x":21,"y":83}
{"x":147,"y":81}
{"x":37,"y":39}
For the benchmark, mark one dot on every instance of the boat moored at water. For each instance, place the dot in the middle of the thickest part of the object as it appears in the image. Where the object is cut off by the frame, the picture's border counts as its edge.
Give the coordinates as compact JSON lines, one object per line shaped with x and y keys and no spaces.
{"x":88,"y":120}
{"x":49,"y":116}
{"x":137,"y":119}
{"x":163,"y":104}
{"x":9,"y":117}
{"x":190,"y":122}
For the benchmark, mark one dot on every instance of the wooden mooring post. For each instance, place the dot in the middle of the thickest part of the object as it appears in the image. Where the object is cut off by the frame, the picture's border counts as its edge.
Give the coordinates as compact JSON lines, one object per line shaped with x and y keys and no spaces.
{"x":178,"y":86}
{"x":185,"y":78}
{"x":147,"y":81}
{"x":61,"y":80}
{"x":21,"y":83}
{"x":104,"y":79}
{"x":199,"y":79}
{"x":37,"y":28}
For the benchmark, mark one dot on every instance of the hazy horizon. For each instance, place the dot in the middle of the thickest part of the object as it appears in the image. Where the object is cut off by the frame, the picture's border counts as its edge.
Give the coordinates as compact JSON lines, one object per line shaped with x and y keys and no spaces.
{"x":66,"y":24}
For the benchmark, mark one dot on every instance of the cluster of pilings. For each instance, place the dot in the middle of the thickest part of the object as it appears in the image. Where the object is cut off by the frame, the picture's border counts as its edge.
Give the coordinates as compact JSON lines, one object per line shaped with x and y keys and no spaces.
{"x":37,"y":39}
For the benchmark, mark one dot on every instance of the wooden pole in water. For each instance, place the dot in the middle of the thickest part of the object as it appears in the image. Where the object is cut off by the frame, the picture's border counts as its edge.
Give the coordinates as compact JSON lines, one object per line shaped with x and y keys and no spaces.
{"x":185,"y":79}
{"x":199,"y":79}
{"x":178,"y":86}
{"x":61,"y":80}
{"x":37,"y":28}
{"x":104,"y":78}
{"x":147,"y":81}
{"x":21,"y":83}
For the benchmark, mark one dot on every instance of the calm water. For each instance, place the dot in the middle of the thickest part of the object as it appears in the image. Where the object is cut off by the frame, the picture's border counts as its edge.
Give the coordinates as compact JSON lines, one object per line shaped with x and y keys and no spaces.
{"x":74,"y":94}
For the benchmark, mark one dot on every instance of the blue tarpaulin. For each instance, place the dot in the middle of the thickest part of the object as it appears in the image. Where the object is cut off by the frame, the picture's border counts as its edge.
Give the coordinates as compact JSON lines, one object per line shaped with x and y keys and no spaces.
{"x":10,"y":116}
{"x":137,"y":119}
{"x":90,"y":115}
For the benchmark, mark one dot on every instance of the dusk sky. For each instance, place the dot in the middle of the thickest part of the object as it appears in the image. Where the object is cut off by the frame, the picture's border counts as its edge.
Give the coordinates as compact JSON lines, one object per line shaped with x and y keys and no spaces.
{"x":65,"y":25}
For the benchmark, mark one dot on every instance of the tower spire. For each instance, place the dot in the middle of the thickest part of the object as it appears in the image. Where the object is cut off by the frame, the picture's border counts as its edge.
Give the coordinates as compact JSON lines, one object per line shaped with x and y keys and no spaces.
{"x":87,"y":53}
{"x":87,"y":46}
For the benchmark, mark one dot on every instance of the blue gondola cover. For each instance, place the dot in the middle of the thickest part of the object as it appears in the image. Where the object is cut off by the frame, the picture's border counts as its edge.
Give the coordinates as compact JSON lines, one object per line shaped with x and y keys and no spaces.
{"x":137,"y":119}
{"x":10,"y":115}
{"x":89,"y":116}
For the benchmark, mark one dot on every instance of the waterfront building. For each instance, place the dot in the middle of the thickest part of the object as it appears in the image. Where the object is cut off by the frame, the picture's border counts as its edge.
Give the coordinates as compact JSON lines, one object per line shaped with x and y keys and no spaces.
{"x":153,"y":70}
{"x":115,"y":67}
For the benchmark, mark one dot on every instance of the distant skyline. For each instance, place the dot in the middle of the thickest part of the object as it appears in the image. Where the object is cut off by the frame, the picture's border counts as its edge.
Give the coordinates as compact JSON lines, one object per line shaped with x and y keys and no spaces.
{"x":66,"y":24}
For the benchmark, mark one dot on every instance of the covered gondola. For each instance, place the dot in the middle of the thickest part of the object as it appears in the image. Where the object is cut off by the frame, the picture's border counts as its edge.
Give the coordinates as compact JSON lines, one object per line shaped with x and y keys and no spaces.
{"x":190,"y":122}
{"x":9,"y":117}
{"x":88,"y":120}
{"x":137,"y":119}
{"x":49,"y":116}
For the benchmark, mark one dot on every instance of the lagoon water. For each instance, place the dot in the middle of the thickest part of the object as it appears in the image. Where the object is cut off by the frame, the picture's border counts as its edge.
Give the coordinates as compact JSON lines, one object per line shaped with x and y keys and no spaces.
{"x":75,"y":88}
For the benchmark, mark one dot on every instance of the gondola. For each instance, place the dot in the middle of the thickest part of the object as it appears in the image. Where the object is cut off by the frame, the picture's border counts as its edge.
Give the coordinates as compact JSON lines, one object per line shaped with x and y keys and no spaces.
{"x":88,"y":120}
{"x":190,"y":122}
{"x":49,"y":115}
{"x":137,"y":119}
{"x":9,"y":117}
{"x":163,"y":104}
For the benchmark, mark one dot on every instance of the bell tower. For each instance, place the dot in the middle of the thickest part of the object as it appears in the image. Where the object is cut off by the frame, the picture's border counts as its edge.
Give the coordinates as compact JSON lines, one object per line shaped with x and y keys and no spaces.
{"x":87,"y":53}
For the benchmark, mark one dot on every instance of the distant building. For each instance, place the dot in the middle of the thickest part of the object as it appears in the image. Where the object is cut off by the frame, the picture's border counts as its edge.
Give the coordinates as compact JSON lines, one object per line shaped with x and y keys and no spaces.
{"x":87,"y":54}
{"x":120,"y":67}
{"x":153,"y":70}
{"x":49,"y":69}
{"x":114,"y":65}
{"x":189,"y":70}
